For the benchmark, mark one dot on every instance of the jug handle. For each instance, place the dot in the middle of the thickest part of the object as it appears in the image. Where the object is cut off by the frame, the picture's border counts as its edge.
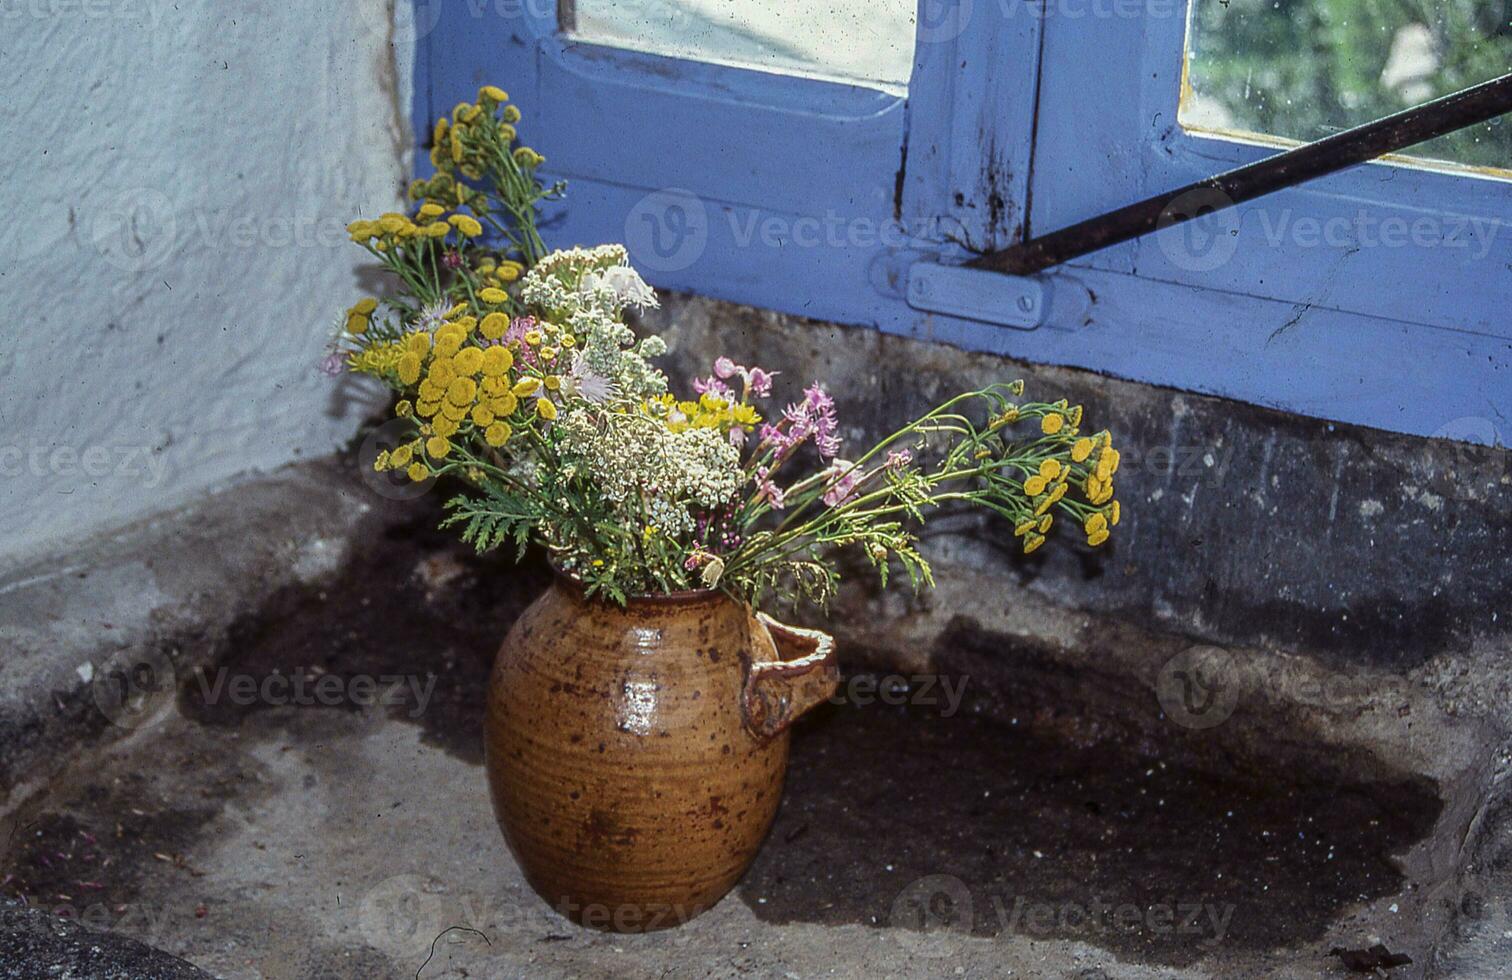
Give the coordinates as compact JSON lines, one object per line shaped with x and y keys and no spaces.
{"x":790,"y":671}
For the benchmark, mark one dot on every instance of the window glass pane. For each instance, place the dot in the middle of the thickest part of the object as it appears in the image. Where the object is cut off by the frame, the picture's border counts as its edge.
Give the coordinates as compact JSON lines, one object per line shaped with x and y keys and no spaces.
{"x":868,"y":41}
{"x":1302,"y":69}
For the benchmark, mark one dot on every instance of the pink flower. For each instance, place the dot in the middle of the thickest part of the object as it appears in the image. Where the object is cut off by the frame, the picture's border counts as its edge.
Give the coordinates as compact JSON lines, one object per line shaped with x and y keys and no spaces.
{"x":724,"y":368}
{"x":769,"y":491}
{"x":333,"y":364}
{"x":713,"y":386}
{"x":842,"y":477}
{"x":760,"y":381}
{"x":898,"y":458}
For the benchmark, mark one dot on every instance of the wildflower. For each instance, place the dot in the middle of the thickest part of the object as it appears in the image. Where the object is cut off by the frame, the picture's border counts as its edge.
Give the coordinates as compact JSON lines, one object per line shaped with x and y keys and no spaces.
{"x":1113,"y":510}
{"x":437,"y":229}
{"x":492,"y":93}
{"x":451,"y":259}
{"x":1095,"y":523}
{"x":1098,"y":538}
{"x":1050,"y":468}
{"x":1081,"y":449}
{"x":469,"y":360}
{"x":623,"y":284}
{"x":712,"y":572}
{"x":493,"y":296}
{"x":431,"y":317}
{"x":496,"y":361}
{"x":1024,"y":527}
{"x":525,"y":386}
{"x":841,"y":478}
{"x":497,"y":434}
{"x":409,"y":367}
{"x":588,"y":384}
{"x":897,"y":459}
{"x":467,"y":225}
{"x":429,"y":210}
{"x":814,"y":417}
{"x":1032,"y":542}
{"x":1035,"y":485}
{"x":1052,"y":423}
{"x":494,"y":325}
{"x":437,"y":447}
{"x":333,"y":364}
{"x":545,"y":409}
{"x":461,"y":391}
{"x":417,"y":472}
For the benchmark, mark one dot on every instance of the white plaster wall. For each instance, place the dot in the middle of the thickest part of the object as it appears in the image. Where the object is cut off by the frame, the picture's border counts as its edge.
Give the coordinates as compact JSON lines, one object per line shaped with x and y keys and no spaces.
{"x":175,"y":178}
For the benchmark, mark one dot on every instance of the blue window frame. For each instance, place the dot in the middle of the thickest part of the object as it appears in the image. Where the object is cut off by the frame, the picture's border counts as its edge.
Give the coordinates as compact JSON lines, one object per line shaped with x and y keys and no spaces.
{"x":843,"y":202}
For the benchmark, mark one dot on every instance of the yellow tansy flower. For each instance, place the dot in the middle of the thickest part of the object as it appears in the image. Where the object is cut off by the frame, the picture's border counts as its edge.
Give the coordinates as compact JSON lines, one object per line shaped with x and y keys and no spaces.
{"x":497,"y":434}
{"x":494,"y":296}
{"x":409,"y":368}
{"x":1034,"y":486}
{"x":546,"y":409}
{"x":437,"y":447}
{"x":1032,"y":542}
{"x":1050,"y":469}
{"x":467,"y":225}
{"x":462,"y":391}
{"x":494,"y":326}
{"x":469,"y":360}
{"x":1081,"y":449}
{"x":400,"y":457}
{"x":1052,"y":423}
{"x":497,"y":361}
{"x":525,"y":386}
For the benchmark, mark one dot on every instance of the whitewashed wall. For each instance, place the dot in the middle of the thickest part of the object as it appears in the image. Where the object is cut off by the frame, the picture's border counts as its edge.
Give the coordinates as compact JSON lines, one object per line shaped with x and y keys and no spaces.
{"x":175,"y":179}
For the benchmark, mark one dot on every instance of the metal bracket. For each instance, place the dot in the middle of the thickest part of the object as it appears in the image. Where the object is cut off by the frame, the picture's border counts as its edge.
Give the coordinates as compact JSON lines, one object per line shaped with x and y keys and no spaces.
{"x":976,"y":294}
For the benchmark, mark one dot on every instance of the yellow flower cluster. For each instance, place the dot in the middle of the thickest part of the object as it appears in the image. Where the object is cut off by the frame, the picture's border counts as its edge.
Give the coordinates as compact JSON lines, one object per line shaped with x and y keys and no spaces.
{"x":710,"y":411}
{"x":1087,"y":462}
{"x":464,"y":382}
{"x":359,"y":316}
{"x":477,"y":136}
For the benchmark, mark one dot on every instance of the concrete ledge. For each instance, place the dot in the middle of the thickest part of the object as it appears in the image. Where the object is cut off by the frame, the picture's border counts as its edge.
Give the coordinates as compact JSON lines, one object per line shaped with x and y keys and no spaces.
{"x":128,"y":612}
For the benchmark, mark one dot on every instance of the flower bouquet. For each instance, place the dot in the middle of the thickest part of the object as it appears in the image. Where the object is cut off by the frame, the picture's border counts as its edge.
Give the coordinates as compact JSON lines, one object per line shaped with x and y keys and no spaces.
{"x":668,"y":515}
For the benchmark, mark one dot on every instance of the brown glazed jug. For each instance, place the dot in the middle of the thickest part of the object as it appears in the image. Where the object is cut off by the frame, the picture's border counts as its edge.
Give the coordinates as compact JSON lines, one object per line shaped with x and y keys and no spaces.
{"x":636,"y":753}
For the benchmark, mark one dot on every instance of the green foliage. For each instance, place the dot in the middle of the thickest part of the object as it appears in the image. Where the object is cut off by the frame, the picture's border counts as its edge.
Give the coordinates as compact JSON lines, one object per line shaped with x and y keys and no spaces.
{"x":1306,"y":68}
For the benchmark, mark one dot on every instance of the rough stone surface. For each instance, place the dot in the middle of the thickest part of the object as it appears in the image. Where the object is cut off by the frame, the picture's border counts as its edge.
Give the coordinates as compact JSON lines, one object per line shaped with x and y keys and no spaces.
{"x":1242,"y":525}
{"x":328,"y":841}
{"x":1069,"y":835}
{"x":36,"y":943}
{"x":185,"y":173}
